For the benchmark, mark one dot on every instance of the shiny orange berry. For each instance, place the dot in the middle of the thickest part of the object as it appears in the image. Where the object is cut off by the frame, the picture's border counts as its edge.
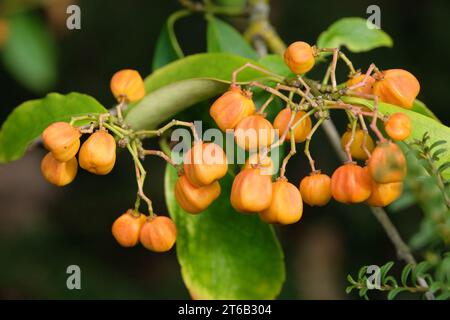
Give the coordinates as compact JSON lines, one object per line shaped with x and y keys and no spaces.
{"x":127,"y":227}
{"x":158,"y":234}
{"x":127,"y":84}
{"x":367,"y":88}
{"x":301,"y":131}
{"x":286,"y":206}
{"x":205,"y":163}
{"x":251,"y":191}
{"x":351,"y":183}
{"x":396,"y":86}
{"x":254,"y":132}
{"x":356,"y":148}
{"x":384,"y":194}
{"x":265,"y":164}
{"x":387,"y":163}
{"x":98,"y":153}
{"x":398,"y":126}
{"x":58,"y":173}
{"x":61,"y":139}
{"x":316,"y":189}
{"x":194,"y":199}
{"x":231,"y":107}
{"x":299,"y":57}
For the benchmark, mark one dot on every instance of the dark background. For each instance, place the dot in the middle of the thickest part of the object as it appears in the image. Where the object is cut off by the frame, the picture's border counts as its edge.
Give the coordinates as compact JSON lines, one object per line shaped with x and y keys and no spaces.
{"x":44,"y":229}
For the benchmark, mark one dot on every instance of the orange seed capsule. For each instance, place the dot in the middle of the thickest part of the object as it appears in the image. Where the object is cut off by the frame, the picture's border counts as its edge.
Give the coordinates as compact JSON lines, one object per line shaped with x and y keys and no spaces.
{"x":299,"y":57}
{"x":356,"y":148}
{"x":397,"y":86}
{"x":351,"y":183}
{"x":286,"y":206}
{"x":205,"y":163}
{"x":398,"y":126}
{"x":58,"y":173}
{"x":61,"y":139}
{"x":127,"y":227}
{"x":387,"y":163}
{"x":265,"y":164}
{"x":158,"y":234}
{"x":194,"y":199}
{"x":231,"y":107}
{"x":98,"y":153}
{"x":384,"y":194}
{"x":301,"y":131}
{"x":316,"y":189}
{"x":251,"y":191}
{"x":367,"y":88}
{"x":127,"y":84}
{"x":254,"y":132}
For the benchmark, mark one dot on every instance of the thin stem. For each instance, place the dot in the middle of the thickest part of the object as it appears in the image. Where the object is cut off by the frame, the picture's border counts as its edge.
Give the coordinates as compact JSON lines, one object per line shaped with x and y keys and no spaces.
{"x":274,"y":92}
{"x":266,"y":104}
{"x":158,"y":153}
{"x":308,"y":141}
{"x":365,"y":136}
{"x":349,"y":143}
{"x":254,"y":67}
{"x":160,"y":131}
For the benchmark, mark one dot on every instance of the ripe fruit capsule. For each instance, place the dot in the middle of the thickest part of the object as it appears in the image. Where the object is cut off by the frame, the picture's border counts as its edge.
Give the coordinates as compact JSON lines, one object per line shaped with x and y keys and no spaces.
{"x":299,"y":57}
{"x":356,"y":148}
{"x":286,"y":206}
{"x":384,"y":194}
{"x":397,"y":86}
{"x":398,"y":126}
{"x":98,"y":153}
{"x":127,"y":227}
{"x":194,"y":199}
{"x":265,"y":164}
{"x":254,"y":132}
{"x":58,"y":173}
{"x":158,"y":234}
{"x":61,"y":139}
{"x":367,"y":88}
{"x":316,"y":189}
{"x":231,"y":107}
{"x":127,"y":84}
{"x":387,"y":163}
{"x":350,"y":184}
{"x":205,"y":163}
{"x":301,"y":131}
{"x":251,"y":191}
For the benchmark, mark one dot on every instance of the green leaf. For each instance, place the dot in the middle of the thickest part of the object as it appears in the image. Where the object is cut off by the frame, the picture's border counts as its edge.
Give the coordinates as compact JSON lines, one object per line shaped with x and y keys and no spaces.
{"x":420,"y":107}
{"x":405,"y":274}
{"x":354,"y":34}
{"x":275,"y":63}
{"x":29,"y":53}
{"x":349,"y":289}
{"x":225,"y":254}
{"x":167,"y":47}
{"x":351,"y":280}
{"x":222,"y":37}
{"x":385,"y":269}
{"x":420,"y":125}
{"x":28,"y":120}
{"x":394,"y":292}
{"x":185,"y":82}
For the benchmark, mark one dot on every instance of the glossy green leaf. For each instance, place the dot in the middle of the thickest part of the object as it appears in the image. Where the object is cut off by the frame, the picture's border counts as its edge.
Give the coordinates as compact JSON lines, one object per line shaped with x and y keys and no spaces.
{"x":275,"y":63}
{"x":185,"y":82}
{"x":30,"y":53}
{"x":354,"y":34}
{"x":29,"y":119}
{"x":222,"y":37}
{"x":225,"y":254}
{"x":420,"y":107}
{"x":394,"y":292}
{"x":420,"y":125}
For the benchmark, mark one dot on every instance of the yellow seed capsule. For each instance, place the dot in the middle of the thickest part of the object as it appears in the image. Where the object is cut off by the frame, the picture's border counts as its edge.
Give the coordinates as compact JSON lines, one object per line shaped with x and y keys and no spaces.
{"x":299,"y":57}
{"x":98,"y":153}
{"x":356,"y":148}
{"x":58,"y":173}
{"x":127,"y":84}
{"x":61,"y":139}
{"x":195,"y":199}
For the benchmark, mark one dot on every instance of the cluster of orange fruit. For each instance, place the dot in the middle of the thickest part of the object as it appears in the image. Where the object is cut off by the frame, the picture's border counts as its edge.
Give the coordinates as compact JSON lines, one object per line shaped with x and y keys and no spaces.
{"x":97,"y":154}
